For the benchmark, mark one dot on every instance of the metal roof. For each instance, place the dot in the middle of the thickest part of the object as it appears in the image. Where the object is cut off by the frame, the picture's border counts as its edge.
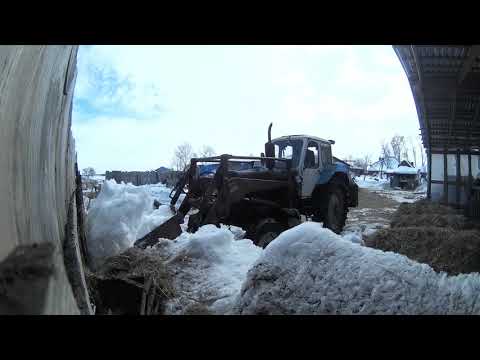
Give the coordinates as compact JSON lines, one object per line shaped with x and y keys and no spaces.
{"x":445,"y":82}
{"x":298,"y":137}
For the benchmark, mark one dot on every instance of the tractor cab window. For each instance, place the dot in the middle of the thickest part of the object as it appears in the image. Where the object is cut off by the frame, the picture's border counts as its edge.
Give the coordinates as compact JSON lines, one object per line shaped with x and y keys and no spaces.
{"x":326,"y":155}
{"x":311,"y":156}
{"x":288,"y":149}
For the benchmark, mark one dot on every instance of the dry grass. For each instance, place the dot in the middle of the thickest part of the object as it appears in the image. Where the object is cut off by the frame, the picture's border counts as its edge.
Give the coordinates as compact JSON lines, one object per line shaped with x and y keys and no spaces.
{"x":433,"y":234}
{"x":453,"y":221}
{"x":133,"y":282}
{"x":425,"y":206}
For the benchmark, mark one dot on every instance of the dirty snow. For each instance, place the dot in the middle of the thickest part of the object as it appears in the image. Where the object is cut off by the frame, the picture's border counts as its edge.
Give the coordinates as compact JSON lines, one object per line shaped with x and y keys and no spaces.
{"x":121,"y":214}
{"x":209,"y":265}
{"x":372,"y":183}
{"x":86,"y":203}
{"x":381,"y":186}
{"x":99,"y":178}
{"x":364,"y":222}
{"x":217,"y":259}
{"x":161,"y":193}
{"x":404,"y":195}
{"x":311,"y":270}
{"x":308,"y":269}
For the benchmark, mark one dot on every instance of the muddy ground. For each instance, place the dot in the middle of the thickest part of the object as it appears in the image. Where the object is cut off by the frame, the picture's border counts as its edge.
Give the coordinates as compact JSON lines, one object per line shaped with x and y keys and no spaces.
{"x":374,"y":212}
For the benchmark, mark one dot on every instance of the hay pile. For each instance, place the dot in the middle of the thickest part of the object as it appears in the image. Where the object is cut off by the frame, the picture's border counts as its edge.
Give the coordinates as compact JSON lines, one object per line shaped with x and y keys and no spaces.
{"x":434,"y":234}
{"x":309,"y":270}
{"x":425,"y":213}
{"x":133,"y":282}
{"x":453,"y":221}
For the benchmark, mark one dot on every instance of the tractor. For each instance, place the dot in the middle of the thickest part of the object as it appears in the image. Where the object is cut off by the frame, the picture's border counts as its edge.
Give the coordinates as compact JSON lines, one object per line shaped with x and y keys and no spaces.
{"x":295,"y":179}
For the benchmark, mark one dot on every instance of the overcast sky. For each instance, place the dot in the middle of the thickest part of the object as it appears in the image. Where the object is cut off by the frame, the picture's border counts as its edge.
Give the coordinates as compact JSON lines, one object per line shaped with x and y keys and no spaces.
{"x":134,"y":104}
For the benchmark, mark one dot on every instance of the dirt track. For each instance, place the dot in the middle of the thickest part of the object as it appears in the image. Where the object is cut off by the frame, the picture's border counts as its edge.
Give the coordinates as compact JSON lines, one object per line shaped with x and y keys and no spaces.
{"x":373,"y":212}
{"x":371,"y":200}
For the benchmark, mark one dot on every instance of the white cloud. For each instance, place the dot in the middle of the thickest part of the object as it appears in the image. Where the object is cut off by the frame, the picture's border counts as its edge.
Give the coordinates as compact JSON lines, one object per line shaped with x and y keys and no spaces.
{"x":156,"y":97}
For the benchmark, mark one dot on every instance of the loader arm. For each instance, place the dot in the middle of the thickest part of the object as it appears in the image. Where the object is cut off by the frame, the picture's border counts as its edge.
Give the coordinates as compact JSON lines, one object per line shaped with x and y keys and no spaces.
{"x":212,"y":198}
{"x":170,"y":229}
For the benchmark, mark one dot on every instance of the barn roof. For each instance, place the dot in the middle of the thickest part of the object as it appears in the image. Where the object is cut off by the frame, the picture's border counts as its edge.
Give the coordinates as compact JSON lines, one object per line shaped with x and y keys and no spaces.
{"x":445,"y":82}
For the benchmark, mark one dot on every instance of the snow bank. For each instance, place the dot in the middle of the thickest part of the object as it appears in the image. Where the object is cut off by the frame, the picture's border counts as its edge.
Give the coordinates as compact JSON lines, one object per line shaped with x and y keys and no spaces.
{"x":86,"y":202}
{"x":423,"y":187}
{"x":159,"y":192}
{"x":121,"y":214}
{"x":311,"y":270}
{"x":382,"y":187}
{"x":406,"y":170}
{"x":209,"y":266}
{"x":404,"y":196}
{"x":373,"y":183}
{"x":99,"y":178}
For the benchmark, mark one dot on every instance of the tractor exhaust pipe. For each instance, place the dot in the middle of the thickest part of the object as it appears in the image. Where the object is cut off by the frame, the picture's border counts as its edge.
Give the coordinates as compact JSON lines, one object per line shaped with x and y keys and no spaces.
{"x":269,"y":149}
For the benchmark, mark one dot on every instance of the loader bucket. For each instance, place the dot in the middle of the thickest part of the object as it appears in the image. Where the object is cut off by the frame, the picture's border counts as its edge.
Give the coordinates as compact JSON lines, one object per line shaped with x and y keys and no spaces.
{"x":170,"y":229}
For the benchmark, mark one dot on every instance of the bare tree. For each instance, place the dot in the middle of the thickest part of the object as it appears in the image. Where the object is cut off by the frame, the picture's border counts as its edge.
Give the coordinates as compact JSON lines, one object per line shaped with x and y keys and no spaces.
{"x":413,"y":147}
{"x":385,"y":151}
{"x":89,"y":171}
{"x":398,"y":147}
{"x":207,"y":151}
{"x":387,"y":155}
{"x":364,"y":163}
{"x":182,"y":155}
{"x":358,"y":163}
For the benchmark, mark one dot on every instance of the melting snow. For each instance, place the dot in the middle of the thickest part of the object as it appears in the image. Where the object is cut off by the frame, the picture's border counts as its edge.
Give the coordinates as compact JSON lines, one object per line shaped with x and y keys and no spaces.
{"x":311,"y":270}
{"x":121,"y":214}
{"x":406,"y":170}
{"x":210,"y":267}
{"x":382,"y":187}
{"x":308,"y":269}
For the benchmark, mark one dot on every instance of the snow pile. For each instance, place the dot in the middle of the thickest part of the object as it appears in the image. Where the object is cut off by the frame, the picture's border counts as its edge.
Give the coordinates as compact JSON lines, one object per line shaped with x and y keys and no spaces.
{"x":311,"y":270}
{"x":372,"y":183}
{"x":403,"y":196}
{"x":121,"y":214}
{"x":356,"y":232}
{"x":423,"y":187}
{"x":364,"y":222}
{"x":99,"y":178}
{"x":406,"y":170}
{"x":86,"y":203}
{"x":161,"y":193}
{"x":209,"y":266}
{"x":382,"y":187}
{"x":355,"y":236}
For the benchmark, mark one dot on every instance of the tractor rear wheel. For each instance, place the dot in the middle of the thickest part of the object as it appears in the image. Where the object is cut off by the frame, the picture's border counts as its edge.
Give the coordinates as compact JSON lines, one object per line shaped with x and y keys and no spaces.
{"x":334,"y":212}
{"x":267,"y":230}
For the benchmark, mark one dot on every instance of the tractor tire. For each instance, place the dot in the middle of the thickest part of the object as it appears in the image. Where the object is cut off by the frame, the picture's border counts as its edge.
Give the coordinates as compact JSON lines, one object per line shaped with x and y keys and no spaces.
{"x":267,"y":230}
{"x":334,"y":209}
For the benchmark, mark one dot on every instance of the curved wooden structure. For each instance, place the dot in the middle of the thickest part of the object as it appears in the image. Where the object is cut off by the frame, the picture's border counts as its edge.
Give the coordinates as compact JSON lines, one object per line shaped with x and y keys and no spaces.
{"x":445,"y":83}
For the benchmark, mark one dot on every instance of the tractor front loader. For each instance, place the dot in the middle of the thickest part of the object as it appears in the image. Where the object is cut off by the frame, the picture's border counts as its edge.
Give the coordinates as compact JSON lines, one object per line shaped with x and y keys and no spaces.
{"x":263,"y":195}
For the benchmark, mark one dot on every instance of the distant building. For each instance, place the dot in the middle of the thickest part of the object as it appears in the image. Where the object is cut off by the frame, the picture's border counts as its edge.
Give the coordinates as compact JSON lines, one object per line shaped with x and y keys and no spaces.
{"x":160,"y":175}
{"x":384,"y":165}
{"x":354,"y":169}
{"x":405,"y":176}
